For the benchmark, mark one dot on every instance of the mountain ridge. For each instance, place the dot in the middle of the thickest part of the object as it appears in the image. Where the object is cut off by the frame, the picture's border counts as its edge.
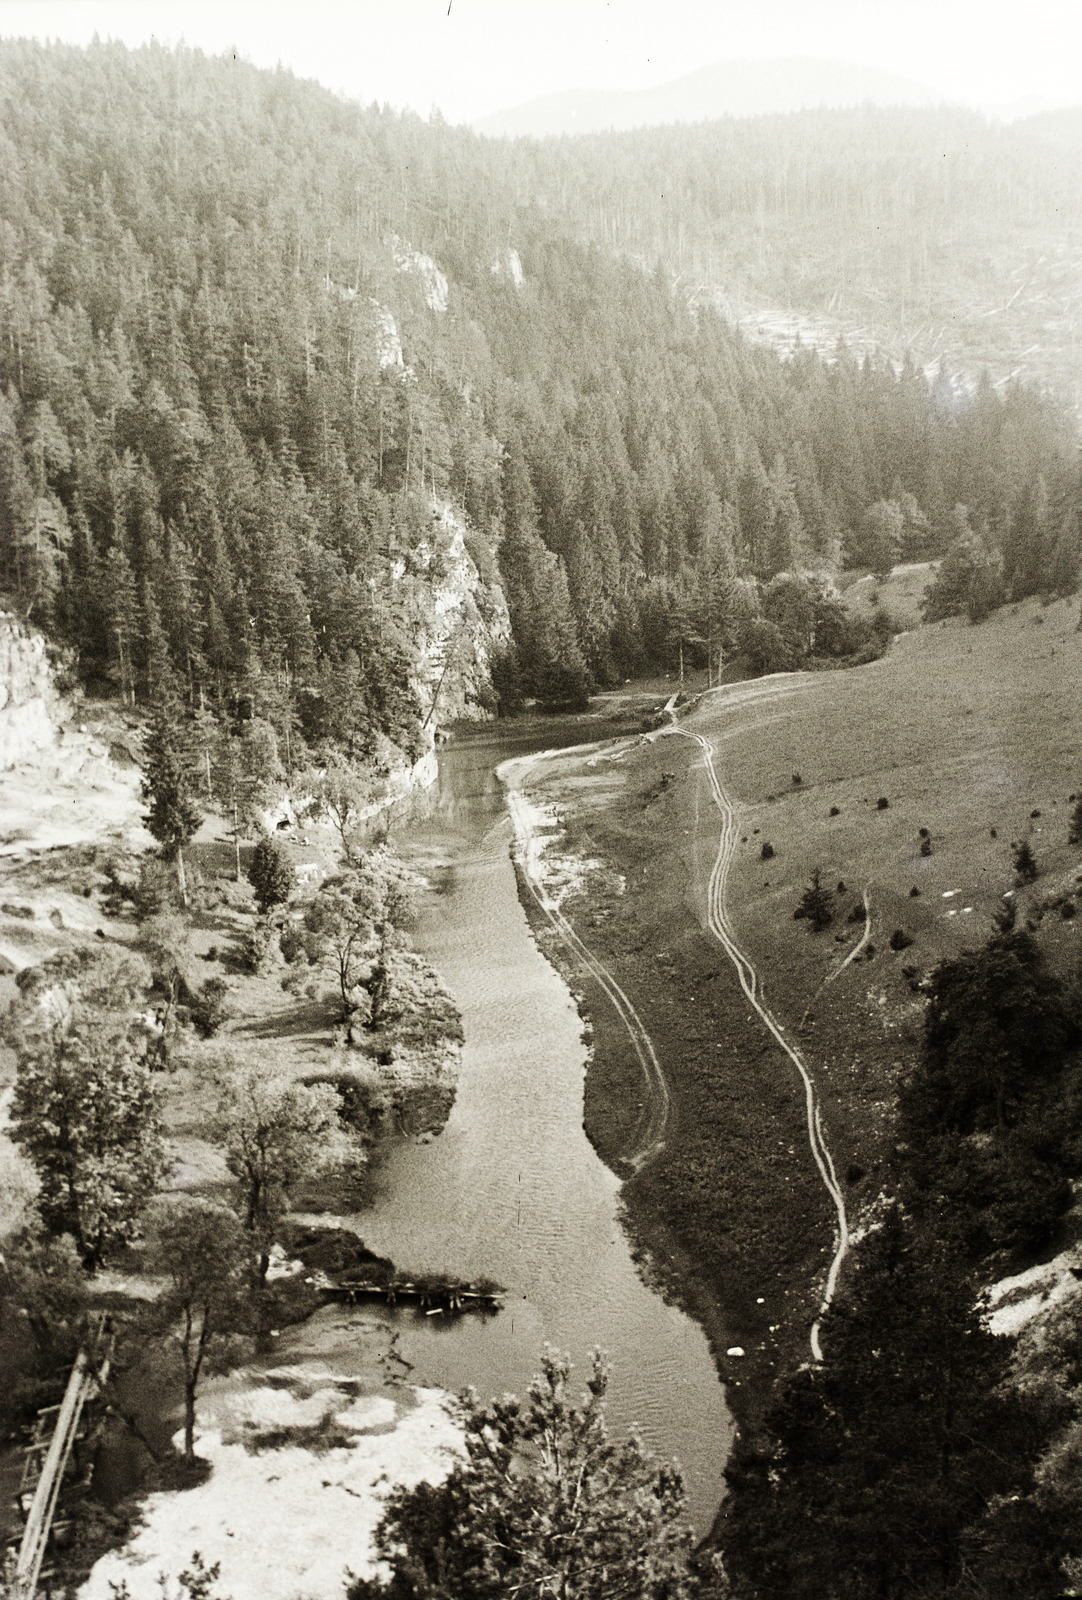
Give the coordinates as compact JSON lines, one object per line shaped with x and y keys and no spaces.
{"x":725,"y":88}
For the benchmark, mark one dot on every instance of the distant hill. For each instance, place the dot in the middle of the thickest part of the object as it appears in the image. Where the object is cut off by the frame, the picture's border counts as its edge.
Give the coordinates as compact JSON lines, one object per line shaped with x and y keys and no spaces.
{"x":726,"y":89}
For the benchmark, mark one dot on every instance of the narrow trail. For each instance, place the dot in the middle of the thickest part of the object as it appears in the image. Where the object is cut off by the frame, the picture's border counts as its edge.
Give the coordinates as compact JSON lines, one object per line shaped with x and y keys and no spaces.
{"x":852,"y":956}
{"x":721,"y":927}
{"x":512,"y":774}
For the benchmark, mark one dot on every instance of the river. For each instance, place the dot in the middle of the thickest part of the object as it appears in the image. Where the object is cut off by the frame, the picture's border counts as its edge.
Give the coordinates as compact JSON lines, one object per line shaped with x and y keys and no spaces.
{"x":512,"y":1188}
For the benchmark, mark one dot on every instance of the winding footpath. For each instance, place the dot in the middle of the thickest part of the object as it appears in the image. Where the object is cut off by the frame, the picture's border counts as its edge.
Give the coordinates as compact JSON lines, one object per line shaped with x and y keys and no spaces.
{"x":513,"y":775}
{"x":721,"y":927}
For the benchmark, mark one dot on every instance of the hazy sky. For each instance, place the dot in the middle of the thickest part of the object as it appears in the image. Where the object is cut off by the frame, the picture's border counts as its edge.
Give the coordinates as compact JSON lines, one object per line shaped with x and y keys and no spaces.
{"x":478,"y":56}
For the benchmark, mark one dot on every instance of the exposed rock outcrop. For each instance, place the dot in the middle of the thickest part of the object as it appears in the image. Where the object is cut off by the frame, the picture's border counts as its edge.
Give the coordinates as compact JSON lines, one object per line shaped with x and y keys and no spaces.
{"x":465,"y":625}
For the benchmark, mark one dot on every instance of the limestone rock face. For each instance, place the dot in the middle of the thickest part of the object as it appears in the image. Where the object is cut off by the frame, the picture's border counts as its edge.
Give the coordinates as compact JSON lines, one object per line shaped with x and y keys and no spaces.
{"x":29,"y":704}
{"x":463,"y":626}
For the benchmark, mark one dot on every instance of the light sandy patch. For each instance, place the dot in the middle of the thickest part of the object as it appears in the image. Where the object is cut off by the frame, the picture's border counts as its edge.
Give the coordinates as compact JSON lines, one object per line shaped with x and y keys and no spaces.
{"x":286,"y":1522}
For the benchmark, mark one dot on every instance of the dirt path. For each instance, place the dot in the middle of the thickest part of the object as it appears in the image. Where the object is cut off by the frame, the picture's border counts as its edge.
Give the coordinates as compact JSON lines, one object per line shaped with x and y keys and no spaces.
{"x":721,"y":927}
{"x":657,"y":1105}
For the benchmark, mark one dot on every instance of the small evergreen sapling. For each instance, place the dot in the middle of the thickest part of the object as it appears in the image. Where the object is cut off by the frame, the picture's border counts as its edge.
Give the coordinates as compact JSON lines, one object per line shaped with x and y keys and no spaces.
{"x":815,"y":905}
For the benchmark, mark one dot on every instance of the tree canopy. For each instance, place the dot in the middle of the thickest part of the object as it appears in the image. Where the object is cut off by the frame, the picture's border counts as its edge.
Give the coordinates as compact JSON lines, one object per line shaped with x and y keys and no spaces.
{"x":86,"y":1107}
{"x":546,"y":1503}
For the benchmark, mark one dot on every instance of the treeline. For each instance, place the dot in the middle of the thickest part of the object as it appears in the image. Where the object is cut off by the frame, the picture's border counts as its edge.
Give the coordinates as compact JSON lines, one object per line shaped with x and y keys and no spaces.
{"x":249,"y":333}
{"x":927,"y":1455}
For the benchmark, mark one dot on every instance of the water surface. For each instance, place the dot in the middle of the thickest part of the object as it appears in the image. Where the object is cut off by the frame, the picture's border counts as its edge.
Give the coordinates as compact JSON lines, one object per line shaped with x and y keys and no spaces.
{"x":512,"y":1188}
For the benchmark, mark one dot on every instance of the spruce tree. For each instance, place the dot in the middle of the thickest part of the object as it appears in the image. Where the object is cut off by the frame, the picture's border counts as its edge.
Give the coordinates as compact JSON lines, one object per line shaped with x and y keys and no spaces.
{"x":169,"y":784}
{"x":1025,"y":862}
{"x":816,"y":904}
{"x":270,"y":874}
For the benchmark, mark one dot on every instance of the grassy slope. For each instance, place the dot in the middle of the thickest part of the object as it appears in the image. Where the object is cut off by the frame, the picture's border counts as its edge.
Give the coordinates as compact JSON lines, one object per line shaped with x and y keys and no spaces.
{"x":961,"y":729}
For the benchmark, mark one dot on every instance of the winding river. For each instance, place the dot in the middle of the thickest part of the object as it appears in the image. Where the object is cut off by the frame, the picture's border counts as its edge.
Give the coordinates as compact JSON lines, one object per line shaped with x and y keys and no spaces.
{"x":512,"y":1188}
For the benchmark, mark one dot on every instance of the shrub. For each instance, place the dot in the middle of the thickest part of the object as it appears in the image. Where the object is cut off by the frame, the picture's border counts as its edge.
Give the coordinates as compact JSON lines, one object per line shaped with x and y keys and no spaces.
{"x":900,"y":940}
{"x":926,"y":847}
{"x":882,"y":804}
{"x":767,"y":852}
{"x":207,"y":1007}
{"x":255,"y":948}
{"x":271,"y":874}
{"x":764,"y":647}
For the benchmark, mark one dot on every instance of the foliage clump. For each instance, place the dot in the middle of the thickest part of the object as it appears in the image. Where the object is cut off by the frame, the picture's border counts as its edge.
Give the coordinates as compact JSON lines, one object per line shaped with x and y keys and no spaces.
{"x":895,"y":1467}
{"x":85,"y":1109}
{"x":271,"y":874}
{"x":1025,"y":862}
{"x":1074,"y":831}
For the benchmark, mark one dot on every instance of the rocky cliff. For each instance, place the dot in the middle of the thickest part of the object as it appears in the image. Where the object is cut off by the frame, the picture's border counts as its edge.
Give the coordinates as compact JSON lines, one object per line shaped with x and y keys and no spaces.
{"x":461,"y":627}
{"x":29,"y":703}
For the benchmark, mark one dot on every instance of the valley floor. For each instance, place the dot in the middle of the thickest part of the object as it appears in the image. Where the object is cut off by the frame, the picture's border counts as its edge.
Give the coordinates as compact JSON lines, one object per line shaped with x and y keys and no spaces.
{"x":972,"y":733}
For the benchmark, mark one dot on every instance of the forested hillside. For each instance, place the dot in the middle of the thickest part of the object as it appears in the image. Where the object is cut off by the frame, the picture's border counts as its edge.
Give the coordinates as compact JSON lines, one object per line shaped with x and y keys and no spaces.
{"x":934,"y":232}
{"x":252,"y":334}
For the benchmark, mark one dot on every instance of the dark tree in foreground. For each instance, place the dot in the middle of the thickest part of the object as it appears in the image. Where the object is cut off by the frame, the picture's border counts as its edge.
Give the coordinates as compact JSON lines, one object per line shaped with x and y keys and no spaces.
{"x":271,"y":874}
{"x":546,"y":1505}
{"x":993,"y":1110}
{"x":85,"y":1111}
{"x":816,"y":904}
{"x":1074,"y":832}
{"x":886,"y":1456}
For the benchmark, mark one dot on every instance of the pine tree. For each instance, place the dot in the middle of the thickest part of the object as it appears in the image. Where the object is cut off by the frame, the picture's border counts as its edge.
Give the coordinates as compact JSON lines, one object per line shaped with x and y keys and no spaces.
{"x":546,"y":1504}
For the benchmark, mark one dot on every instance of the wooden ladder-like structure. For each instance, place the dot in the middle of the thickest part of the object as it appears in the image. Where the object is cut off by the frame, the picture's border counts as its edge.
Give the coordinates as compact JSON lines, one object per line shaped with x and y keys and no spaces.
{"x":48,"y":1455}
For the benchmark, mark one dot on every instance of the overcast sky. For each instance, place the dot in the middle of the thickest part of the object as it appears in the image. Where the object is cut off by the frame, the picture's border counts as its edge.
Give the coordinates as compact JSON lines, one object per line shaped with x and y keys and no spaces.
{"x":478,"y":56}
